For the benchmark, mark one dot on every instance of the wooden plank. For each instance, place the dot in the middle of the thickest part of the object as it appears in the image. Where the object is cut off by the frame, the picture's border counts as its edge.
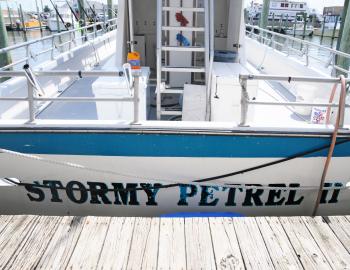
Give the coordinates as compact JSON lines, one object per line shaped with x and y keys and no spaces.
{"x":16,"y":232}
{"x":172,"y":245}
{"x":225,"y":243}
{"x":62,"y":244}
{"x":29,"y":252}
{"x":144,"y":245}
{"x":116,"y":248}
{"x":340,"y":226}
{"x":337,"y":256}
{"x":253,"y":249}
{"x":280,"y":249}
{"x":304,"y":244}
{"x":87,"y":251}
{"x":4,"y":221}
{"x":199,"y":247}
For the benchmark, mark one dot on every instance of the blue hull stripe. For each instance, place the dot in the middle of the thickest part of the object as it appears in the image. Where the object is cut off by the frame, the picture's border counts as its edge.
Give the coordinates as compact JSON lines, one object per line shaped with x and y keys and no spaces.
{"x":165,"y":145}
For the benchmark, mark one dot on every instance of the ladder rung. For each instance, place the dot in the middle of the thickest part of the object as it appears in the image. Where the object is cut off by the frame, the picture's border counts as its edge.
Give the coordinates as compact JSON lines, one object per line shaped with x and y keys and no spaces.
{"x":173,"y":91}
{"x":183,"y":69}
{"x":183,"y":28}
{"x":164,"y":112}
{"x":183,"y":49}
{"x":184,"y":9}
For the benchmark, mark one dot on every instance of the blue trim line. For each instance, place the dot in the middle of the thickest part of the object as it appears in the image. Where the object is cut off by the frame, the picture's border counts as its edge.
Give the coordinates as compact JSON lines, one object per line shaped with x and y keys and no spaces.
{"x":203,"y":215}
{"x":165,"y":145}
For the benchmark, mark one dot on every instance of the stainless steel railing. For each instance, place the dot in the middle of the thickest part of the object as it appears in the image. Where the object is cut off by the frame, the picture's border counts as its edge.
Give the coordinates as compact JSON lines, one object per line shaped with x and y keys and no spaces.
{"x":75,"y":36}
{"x":245,"y":100}
{"x":304,"y":51}
{"x":32,"y":98}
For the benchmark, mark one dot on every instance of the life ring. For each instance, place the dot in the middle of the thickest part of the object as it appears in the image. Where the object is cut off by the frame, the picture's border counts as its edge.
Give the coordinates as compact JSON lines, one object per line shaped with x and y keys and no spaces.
{"x":68,"y":24}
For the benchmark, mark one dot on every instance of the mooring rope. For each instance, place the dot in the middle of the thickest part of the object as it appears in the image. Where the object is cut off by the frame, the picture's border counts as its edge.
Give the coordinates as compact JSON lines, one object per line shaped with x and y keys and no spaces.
{"x":340,"y":115}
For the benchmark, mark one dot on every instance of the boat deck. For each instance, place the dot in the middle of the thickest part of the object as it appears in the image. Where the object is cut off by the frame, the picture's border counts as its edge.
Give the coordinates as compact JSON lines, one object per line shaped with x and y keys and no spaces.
{"x":28,"y":242}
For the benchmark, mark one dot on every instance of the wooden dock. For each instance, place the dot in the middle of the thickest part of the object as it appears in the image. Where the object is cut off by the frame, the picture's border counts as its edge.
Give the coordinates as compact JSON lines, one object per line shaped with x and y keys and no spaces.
{"x":33,"y":242}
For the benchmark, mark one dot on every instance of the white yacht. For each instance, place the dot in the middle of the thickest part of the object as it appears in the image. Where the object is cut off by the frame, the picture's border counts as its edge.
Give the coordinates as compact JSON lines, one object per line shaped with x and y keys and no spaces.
{"x":215,"y":120}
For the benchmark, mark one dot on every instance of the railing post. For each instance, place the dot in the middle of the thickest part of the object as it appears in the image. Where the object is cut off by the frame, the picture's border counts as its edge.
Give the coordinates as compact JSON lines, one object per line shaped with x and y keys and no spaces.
{"x":30,"y":102}
{"x":52,"y":46}
{"x":334,"y":71}
{"x":27,"y":54}
{"x":307,"y":55}
{"x":244,"y":101}
{"x":70,"y":41}
{"x":136,"y":87}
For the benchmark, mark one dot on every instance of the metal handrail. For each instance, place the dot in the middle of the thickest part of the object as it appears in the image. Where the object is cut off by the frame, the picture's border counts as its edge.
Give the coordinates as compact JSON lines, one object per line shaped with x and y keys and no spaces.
{"x":52,"y":37}
{"x":305,"y":43}
{"x":24,"y":44}
{"x":31,"y":98}
{"x":245,"y":101}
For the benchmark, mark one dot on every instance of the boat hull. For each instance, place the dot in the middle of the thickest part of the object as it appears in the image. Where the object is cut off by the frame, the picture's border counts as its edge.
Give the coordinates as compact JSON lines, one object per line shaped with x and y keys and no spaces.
{"x":126,"y":173}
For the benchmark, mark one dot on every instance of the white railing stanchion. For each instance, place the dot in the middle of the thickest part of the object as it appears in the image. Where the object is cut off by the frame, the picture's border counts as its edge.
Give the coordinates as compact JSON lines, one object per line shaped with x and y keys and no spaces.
{"x":30,"y":102}
{"x":52,"y":46}
{"x":27,"y":54}
{"x":244,"y":102}
{"x":136,"y":86}
{"x":307,"y":55}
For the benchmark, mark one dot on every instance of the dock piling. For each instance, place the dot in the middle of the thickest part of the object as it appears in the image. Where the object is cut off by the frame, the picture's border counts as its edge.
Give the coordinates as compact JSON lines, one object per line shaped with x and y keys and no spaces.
{"x":334,"y":29}
{"x":5,"y":58}
{"x":305,"y":24}
{"x":110,"y":9}
{"x":344,"y":39}
{"x":265,"y":14}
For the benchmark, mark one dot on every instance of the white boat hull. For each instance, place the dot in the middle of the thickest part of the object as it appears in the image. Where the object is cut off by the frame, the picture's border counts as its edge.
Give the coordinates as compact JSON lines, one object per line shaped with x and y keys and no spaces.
{"x":66,"y":184}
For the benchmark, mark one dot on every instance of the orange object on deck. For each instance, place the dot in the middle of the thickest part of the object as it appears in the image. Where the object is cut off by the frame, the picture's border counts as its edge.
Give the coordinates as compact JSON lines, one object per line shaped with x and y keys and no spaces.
{"x":134,"y":59}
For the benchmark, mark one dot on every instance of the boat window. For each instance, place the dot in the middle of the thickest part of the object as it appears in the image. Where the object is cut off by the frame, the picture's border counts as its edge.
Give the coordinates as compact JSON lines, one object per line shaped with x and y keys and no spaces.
{"x":286,"y":5}
{"x":282,"y":4}
{"x":301,"y":5}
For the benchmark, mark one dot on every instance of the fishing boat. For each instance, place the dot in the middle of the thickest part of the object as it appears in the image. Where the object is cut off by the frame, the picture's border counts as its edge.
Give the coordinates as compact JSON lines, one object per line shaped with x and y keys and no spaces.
{"x":61,"y":19}
{"x":34,"y":24}
{"x":177,"y":111}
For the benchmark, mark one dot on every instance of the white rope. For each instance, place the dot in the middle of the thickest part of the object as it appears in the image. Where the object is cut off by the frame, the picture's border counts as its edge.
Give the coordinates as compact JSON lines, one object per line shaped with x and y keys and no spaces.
{"x":239,"y":186}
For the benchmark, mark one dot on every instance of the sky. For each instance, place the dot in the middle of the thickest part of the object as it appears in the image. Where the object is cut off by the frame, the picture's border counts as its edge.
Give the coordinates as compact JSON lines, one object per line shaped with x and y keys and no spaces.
{"x":30,"y":4}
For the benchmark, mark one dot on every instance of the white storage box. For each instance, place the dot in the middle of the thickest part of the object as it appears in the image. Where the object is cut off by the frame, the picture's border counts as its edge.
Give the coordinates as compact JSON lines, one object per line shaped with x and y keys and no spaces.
{"x":116,"y":87}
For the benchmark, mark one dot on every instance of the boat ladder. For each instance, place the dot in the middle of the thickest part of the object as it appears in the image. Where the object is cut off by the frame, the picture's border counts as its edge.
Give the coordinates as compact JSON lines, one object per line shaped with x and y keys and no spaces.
{"x":182,"y":34}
